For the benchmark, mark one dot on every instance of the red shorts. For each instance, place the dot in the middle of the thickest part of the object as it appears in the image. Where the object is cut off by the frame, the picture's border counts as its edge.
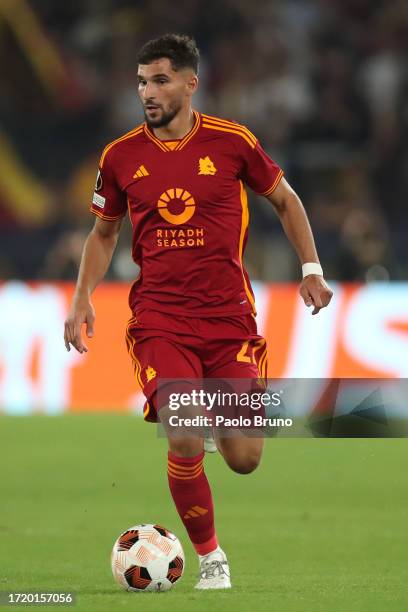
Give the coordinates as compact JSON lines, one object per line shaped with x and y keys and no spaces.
{"x":176,"y":347}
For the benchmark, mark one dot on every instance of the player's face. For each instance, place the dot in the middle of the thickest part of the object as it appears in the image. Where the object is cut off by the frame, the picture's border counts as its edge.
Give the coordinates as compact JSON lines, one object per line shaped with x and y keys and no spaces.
{"x":164,"y":91}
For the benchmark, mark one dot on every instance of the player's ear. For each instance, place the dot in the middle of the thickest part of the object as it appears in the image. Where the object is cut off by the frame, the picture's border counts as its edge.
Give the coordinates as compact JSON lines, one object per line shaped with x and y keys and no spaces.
{"x":192,"y":83}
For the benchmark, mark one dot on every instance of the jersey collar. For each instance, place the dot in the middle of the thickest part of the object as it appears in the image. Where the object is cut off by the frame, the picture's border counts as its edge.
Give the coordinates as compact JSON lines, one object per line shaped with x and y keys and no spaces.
{"x":182,"y":143}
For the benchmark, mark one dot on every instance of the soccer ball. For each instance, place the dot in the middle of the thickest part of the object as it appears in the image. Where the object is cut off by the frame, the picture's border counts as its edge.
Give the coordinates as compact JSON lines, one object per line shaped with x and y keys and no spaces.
{"x":147,"y":558}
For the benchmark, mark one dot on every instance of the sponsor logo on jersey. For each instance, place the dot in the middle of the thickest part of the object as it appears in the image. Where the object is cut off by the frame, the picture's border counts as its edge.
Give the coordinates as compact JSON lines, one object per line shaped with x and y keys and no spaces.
{"x":177,"y":206}
{"x":206,"y":166}
{"x":98,"y":200}
{"x":141,"y":172}
{"x":176,"y":197}
{"x":180,"y":238}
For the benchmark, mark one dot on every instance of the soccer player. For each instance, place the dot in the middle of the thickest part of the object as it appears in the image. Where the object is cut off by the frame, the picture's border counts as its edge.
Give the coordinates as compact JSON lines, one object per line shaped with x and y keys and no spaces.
{"x":181,"y":177}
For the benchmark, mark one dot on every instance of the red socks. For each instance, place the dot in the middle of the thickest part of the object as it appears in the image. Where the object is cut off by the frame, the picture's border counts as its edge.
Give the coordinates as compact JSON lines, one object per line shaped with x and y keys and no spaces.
{"x":192,"y":496}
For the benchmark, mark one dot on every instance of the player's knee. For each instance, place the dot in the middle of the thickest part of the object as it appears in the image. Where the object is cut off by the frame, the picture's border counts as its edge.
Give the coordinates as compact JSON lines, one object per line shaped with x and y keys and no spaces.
{"x":244,"y":464}
{"x":186,"y":448}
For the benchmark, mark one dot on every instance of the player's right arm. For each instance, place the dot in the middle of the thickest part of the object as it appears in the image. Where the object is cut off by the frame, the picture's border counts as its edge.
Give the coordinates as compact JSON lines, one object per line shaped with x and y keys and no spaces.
{"x":96,"y":257}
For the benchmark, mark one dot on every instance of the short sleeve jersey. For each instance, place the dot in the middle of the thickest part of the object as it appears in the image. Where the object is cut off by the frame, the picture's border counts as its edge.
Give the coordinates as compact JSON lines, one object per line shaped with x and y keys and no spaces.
{"x":188,"y":207}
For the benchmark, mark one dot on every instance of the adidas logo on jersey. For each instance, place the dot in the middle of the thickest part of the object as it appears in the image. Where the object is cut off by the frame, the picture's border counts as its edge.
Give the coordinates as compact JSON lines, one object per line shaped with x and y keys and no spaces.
{"x":141,"y":172}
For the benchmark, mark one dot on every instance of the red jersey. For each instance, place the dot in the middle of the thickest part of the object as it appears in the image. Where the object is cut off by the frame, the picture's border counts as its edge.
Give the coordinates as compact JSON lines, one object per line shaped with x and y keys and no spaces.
{"x":188,"y":208}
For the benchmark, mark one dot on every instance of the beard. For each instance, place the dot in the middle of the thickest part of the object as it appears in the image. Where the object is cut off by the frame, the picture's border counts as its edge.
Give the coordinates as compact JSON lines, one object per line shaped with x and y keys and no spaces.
{"x":164,"y":118}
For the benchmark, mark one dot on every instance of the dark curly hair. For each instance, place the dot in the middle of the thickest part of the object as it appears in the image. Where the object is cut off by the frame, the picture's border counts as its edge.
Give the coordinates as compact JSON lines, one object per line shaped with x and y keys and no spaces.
{"x":180,"y":49}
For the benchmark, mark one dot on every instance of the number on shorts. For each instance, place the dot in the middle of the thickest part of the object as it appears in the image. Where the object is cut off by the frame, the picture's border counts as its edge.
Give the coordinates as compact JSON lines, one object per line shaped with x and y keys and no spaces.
{"x":242,"y":356}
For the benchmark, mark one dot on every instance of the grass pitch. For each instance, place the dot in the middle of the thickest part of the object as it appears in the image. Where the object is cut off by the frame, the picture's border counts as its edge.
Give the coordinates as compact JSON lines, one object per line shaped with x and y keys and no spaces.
{"x":321,"y":525}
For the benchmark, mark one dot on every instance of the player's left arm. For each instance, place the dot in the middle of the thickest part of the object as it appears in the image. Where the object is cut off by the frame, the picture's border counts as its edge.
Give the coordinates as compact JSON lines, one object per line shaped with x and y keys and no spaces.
{"x":289,"y":208}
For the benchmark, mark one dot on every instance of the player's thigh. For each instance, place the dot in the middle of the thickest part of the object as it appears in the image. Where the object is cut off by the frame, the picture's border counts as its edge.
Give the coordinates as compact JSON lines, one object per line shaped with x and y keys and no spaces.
{"x":179,"y":371}
{"x":157,"y":358}
{"x":241,"y":368}
{"x":237,"y":378}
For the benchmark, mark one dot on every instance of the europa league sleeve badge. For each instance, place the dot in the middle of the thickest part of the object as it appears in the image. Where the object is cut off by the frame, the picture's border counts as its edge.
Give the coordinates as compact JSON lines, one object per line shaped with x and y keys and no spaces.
{"x":99,"y":181}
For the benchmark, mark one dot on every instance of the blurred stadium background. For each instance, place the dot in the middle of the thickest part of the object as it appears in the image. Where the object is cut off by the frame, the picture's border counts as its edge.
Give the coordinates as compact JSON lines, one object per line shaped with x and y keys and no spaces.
{"x":322,"y":83}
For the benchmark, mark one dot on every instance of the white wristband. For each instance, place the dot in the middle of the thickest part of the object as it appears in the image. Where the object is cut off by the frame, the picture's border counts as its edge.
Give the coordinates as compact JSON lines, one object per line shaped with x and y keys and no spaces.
{"x":311,"y":268}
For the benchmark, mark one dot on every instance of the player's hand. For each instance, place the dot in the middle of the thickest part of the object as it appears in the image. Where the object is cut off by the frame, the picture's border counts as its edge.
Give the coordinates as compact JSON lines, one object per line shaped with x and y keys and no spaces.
{"x":315,"y":292}
{"x":82,"y":312}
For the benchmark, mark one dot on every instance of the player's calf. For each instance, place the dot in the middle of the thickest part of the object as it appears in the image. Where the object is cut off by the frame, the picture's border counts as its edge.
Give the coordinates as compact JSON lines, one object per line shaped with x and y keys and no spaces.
{"x":191,"y":492}
{"x":241,"y":454}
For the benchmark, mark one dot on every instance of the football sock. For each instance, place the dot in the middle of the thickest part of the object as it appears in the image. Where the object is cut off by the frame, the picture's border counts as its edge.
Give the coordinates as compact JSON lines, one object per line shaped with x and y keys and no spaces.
{"x":192,"y":496}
